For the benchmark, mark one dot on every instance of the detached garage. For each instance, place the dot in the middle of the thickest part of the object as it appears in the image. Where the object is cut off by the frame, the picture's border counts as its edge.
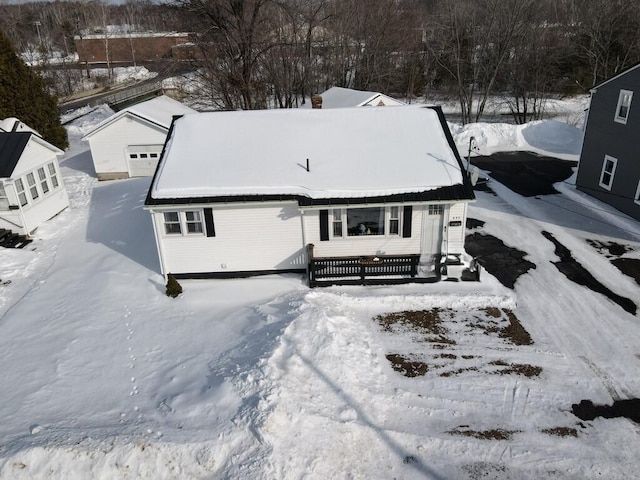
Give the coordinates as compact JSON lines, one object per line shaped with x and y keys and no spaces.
{"x":129,"y":143}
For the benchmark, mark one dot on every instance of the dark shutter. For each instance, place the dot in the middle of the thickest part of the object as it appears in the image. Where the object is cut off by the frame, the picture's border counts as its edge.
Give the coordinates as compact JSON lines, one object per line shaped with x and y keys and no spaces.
{"x":208,"y":222}
{"x":406,"y":221}
{"x":324,"y":225}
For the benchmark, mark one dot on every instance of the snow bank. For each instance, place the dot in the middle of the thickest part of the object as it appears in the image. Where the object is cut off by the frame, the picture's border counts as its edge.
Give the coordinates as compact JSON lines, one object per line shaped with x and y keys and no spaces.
{"x":546,"y":137}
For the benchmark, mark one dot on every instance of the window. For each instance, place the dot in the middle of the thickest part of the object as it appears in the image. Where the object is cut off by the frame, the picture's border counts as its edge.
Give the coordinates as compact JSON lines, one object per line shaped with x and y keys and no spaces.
{"x":53,"y":175}
{"x":394,"y":220}
{"x":4,"y":201}
{"x":194,"y":221}
{"x":365,"y":221}
{"x":608,"y":171}
{"x":43,"y":180}
{"x":172,"y":223}
{"x":337,"y":223}
{"x":153,"y":155}
{"x":436,"y":209}
{"x":21,"y":195}
{"x":189,"y":222}
{"x":637,"y":197}
{"x":133,"y":155}
{"x":356,"y":222}
{"x":624,"y":104}
{"x":143,"y":155}
{"x":33,"y":189}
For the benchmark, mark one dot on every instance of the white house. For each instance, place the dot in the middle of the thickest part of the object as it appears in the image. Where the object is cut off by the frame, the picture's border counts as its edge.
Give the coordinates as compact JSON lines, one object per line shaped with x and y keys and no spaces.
{"x":339,"y":97}
{"x":128,"y":144}
{"x":31,"y":187}
{"x":341,"y":193}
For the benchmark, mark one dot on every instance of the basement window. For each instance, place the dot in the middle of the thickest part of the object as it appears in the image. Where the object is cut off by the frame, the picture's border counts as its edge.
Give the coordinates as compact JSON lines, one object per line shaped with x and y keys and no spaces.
{"x":624,"y":104}
{"x":608,"y":171}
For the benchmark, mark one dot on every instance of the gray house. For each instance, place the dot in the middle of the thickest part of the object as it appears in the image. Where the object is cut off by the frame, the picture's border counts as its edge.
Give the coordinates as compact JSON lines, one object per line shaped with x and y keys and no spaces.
{"x":609,"y":168}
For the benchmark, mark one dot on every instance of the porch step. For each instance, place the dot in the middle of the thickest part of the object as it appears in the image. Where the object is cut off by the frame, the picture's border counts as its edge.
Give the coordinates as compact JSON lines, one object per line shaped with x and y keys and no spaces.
{"x":8,"y":239}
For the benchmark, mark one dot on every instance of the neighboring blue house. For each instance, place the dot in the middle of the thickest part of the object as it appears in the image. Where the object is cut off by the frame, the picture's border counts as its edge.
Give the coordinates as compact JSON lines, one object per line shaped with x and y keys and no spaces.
{"x":609,"y":167}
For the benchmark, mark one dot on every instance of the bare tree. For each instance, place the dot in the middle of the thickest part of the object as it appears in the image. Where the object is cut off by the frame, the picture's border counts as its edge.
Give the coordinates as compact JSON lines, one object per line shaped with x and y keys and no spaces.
{"x":473,"y":41}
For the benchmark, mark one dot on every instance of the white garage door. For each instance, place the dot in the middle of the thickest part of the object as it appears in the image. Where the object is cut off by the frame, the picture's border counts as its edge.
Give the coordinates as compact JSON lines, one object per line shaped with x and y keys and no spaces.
{"x":143,"y":159}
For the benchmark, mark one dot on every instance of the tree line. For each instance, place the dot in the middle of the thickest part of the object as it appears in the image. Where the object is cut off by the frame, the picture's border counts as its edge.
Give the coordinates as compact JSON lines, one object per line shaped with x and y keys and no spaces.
{"x":275,"y":53}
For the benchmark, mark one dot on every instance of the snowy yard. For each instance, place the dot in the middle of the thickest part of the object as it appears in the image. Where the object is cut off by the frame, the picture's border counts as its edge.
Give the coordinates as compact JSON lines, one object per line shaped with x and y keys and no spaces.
{"x":105,"y":377}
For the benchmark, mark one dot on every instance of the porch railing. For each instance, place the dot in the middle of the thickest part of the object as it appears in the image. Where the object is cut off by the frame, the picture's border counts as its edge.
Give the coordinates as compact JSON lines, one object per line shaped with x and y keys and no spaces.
{"x":363,"y":270}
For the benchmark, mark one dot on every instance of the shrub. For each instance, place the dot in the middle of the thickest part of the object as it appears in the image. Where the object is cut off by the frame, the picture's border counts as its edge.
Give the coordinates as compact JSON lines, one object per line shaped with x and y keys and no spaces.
{"x":173,"y":287}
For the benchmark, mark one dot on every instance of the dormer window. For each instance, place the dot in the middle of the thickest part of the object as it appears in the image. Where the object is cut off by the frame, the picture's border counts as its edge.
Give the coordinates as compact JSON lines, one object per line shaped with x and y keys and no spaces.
{"x":624,"y":104}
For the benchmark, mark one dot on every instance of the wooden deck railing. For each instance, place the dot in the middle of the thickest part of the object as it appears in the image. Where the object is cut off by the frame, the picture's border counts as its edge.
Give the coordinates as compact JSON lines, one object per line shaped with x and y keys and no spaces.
{"x":364,"y":270}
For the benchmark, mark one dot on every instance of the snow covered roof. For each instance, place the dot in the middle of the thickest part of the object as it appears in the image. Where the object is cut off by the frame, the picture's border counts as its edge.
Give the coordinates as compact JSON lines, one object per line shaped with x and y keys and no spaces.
{"x":338,"y":97}
{"x":12,"y":124}
{"x":354,"y":153}
{"x":159,"y":110}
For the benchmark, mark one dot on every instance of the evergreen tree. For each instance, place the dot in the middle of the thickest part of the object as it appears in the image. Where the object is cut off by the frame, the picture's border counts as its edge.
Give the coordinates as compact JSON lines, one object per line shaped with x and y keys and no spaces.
{"x":23,"y":94}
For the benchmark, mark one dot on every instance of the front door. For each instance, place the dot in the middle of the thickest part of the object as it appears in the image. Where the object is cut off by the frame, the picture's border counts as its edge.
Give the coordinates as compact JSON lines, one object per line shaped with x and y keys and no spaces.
{"x":433,"y":226}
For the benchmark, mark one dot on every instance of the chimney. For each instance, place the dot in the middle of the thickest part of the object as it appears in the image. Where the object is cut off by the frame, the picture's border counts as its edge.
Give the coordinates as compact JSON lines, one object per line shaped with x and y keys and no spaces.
{"x":316,"y":101}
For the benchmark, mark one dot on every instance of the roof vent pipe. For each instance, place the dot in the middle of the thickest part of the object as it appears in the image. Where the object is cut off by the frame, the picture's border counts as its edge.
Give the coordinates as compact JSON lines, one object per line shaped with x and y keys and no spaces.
{"x":308,"y":165}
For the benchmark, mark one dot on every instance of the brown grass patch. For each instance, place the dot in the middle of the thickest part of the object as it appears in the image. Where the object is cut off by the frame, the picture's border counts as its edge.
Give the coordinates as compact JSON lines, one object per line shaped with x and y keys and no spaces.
{"x":492,"y":312}
{"x":515,"y":332}
{"x":561,"y":431}
{"x":452,"y":373}
{"x":517,"y":368}
{"x":494,"y":434}
{"x":426,"y":322}
{"x":408,"y":368}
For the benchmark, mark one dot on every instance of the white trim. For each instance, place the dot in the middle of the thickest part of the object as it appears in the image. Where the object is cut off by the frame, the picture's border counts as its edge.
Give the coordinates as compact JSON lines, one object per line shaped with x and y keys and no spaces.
{"x":621,"y":97}
{"x":636,"y":199}
{"x":182,"y":222}
{"x":607,"y":186}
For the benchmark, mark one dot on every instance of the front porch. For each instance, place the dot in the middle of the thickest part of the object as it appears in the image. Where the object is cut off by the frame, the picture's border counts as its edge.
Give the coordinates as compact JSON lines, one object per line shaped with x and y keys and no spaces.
{"x":387,"y":269}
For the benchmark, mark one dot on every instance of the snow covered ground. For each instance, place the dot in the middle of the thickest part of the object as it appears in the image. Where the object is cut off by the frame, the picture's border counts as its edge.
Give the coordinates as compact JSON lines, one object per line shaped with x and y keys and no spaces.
{"x":105,"y":377}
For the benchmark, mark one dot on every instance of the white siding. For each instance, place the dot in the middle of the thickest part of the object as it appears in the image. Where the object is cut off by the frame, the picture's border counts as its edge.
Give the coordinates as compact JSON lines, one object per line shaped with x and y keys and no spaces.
{"x":365,"y":245}
{"x":44,"y":208}
{"x":109,"y":145}
{"x":30,"y":216}
{"x":33,"y":156}
{"x":247,"y":238}
{"x":455,"y":234}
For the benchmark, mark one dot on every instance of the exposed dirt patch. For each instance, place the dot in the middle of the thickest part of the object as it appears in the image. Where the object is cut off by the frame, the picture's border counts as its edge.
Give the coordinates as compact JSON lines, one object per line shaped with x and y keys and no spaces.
{"x":628,"y":266}
{"x":575,"y":272}
{"x":526,"y":173}
{"x":561,"y":431}
{"x":425,"y":322}
{"x":474,"y":223}
{"x":503,"y":262}
{"x":515,"y":332}
{"x":586,"y":410}
{"x":446,"y":357}
{"x":614,"y":251}
{"x":610,"y":249}
{"x":494,"y":434}
{"x":408,"y":368}
{"x":517,"y":368}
